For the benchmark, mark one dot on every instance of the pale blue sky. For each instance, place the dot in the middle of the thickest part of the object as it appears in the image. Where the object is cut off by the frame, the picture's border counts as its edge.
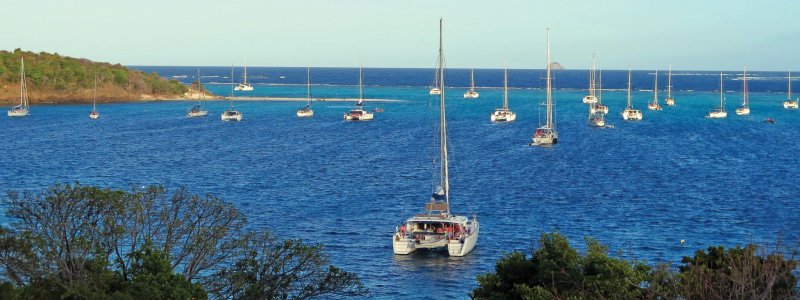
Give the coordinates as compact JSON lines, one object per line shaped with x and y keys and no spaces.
{"x":689,"y":34}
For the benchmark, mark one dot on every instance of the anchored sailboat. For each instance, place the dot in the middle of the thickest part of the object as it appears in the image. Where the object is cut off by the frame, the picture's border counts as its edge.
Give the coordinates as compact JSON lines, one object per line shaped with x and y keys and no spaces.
{"x":654,"y":105}
{"x":94,"y":115}
{"x":198,"y":110}
{"x":631,"y":113}
{"x":670,"y":101}
{"x":21,"y":110}
{"x":244,"y":86}
{"x":471,"y":93}
{"x":789,"y":103}
{"x":719,"y":112}
{"x":307,"y":112}
{"x":504,"y":114}
{"x":597,"y":116}
{"x":546,"y":134}
{"x":437,"y":227}
{"x":231,"y":114}
{"x":745,"y":108}
{"x":358,"y":113}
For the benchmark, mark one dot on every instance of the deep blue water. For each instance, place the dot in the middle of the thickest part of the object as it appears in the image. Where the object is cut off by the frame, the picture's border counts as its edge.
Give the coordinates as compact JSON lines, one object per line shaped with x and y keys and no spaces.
{"x":638,"y":187}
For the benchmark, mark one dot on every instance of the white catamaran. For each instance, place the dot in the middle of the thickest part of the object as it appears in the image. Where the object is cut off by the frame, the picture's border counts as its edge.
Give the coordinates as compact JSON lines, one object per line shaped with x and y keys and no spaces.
{"x":789,"y":103}
{"x":503,"y":114}
{"x":244,"y":86}
{"x":471,"y":93}
{"x":719,"y":112}
{"x":670,"y":101}
{"x":631,"y":113}
{"x":437,"y":227}
{"x":231,"y":114}
{"x":654,"y":105}
{"x":745,"y":108}
{"x":94,"y":114}
{"x":198,"y":110}
{"x":21,"y":110}
{"x":307,"y":112}
{"x":358,"y":113}
{"x":546,"y":134}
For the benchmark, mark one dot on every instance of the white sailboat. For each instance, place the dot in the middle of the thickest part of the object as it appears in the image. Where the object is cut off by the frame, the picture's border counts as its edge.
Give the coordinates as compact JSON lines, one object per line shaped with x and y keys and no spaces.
{"x":591,"y":98}
{"x":745,"y":108}
{"x":504,"y":114}
{"x":244,"y":86}
{"x":597,"y":116}
{"x":600,"y":107}
{"x":471,"y":93}
{"x":231,"y":114}
{"x":358,"y":113}
{"x":719,"y":112}
{"x":307,"y":112}
{"x":198,"y":110}
{"x":94,"y":114}
{"x":23,"y":109}
{"x":789,"y":103}
{"x":670,"y":101}
{"x":546,"y":134}
{"x":437,"y":227}
{"x":631,"y":113}
{"x":654,"y":105}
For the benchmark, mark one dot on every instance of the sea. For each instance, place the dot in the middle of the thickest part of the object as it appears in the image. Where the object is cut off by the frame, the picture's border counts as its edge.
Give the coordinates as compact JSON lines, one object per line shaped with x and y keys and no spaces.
{"x":640,"y":187}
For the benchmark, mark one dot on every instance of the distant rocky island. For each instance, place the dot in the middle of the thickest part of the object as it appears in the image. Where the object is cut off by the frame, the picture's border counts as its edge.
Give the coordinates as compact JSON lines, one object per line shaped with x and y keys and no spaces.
{"x":556,"y":66}
{"x":52,"y":78}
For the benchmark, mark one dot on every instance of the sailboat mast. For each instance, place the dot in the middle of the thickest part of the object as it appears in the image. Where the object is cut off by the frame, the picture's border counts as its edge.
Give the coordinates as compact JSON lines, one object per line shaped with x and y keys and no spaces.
{"x":472,"y":79}
{"x":505,"y":89}
{"x":308,"y":84}
{"x":790,"y":85}
{"x":22,"y":90}
{"x":721,"y":91}
{"x":549,"y":86}
{"x":600,"y":87}
{"x":669,"y":83}
{"x":199,"y":87}
{"x":94,"y":94}
{"x":591,"y":77}
{"x":745,"y":98}
{"x":629,"y":86}
{"x":655,"y":89}
{"x":245,"y":70}
{"x":360,"y":84}
{"x":445,"y":175}
{"x":230,"y":99}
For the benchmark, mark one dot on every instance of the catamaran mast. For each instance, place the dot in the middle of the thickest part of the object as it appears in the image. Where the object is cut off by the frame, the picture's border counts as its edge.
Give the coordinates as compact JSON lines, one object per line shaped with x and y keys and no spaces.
{"x":245,"y":70}
{"x":655,"y":89}
{"x":600,"y":87}
{"x":790,"y":85}
{"x":721,"y":91}
{"x":94,"y":94}
{"x":549,"y":86}
{"x":591,"y":77}
{"x":629,"y":86}
{"x":745,"y":98}
{"x":444,"y":172}
{"x":669,"y":83}
{"x":505,"y":89}
{"x":308,"y":84}
{"x":472,"y":79}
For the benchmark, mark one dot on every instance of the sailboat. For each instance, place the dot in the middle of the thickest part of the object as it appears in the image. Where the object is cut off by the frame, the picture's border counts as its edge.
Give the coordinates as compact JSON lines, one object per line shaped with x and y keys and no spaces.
{"x":437,"y":227}
{"x":719,"y":112}
{"x":597,"y":117}
{"x":504,"y":114}
{"x":631,"y":113}
{"x":546,"y":134}
{"x":600,"y":107}
{"x":198,"y":110}
{"x":670,"y":101}
{"x":94,"y":115}
{"x":21,"y":110}
{"x":244,"y":86}
{"x":789,"y":103}
{"x":307,"y":112}
{"x":745,"y":108}
{"x":654,"y":105}
{"x":591,"y":98}
{"x":358,"y":113}
{"x":471,"y":93}
{"x":231,"y":114}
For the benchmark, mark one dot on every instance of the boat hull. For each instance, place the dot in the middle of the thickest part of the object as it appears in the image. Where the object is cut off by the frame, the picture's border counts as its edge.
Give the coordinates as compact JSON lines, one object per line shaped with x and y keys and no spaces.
{"x":435,"y":91}
{"x":471,"y":94}
{"x":742,"y":111}
{"x":631,"y":115}
{"x":364,"y":116}
{"x":790,"y":104}
{"x":507,"y":116}
{"x":462,"y":247}
{"x":243,"y":87}
{"x":18,"y":113}
{"x":597,"y":122}
{"x":305,"y":113}
{"x":196,"y":114}
{"x":589,"y":99}
{"x":94,"y":115}
{"x":599,"y":109}
{"x":654,"y":106}
{"x":456,"y":244}
{"x":670,"y":102}
{"x":717,"y":115}
{"x":231,"y":117}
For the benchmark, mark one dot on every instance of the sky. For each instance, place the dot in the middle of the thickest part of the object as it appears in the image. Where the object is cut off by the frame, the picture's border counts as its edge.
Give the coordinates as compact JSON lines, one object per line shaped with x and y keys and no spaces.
{"x":647,"y":34}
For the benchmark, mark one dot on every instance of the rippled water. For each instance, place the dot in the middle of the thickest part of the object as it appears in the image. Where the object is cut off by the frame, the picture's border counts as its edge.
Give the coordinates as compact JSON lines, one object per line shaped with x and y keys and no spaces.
{"x":638,"y":187}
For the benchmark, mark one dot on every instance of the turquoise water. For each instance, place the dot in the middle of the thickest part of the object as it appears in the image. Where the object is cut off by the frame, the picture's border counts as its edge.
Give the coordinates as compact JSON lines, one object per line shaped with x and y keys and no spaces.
{"x":638,"y":187}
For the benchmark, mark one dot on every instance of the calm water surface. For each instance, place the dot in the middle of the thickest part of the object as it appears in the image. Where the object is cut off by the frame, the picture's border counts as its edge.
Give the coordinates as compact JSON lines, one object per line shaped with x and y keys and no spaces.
{"x":638,"y":187}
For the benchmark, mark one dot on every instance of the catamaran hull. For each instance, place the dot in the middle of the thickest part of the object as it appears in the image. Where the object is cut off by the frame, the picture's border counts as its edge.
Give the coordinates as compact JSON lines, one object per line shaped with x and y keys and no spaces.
{"x":435,"y":91}
{"x":237,"y":117}
{"x":503,"y":118}
{"x":197,"y":114}
{"x":463,"y":247}
{"x":363,"y":117}
{"x":599,"y":109}
{"x":742,"y":111}
{"x":305,"y":114}
{"x":717,"y":115}
{"x":790,"y":104}
{"x":590,"y":99}
{"x":471,"y":95}
{"x":631,"y":116}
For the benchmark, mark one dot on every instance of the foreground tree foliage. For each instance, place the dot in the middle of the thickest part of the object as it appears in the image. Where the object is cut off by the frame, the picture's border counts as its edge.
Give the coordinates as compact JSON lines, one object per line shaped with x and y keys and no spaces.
{"x":555,"y":270}
{"x":83,"y":242}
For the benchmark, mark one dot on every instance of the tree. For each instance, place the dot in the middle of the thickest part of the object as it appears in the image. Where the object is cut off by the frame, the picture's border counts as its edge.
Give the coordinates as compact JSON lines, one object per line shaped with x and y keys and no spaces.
{"x":268,"y":268}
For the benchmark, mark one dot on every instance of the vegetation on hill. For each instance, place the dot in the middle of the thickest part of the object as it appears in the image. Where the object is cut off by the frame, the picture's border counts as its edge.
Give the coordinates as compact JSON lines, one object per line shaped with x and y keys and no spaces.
{"x":53,"y":77}
{"x":556,"y":270}
{"x":84,"y":242}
